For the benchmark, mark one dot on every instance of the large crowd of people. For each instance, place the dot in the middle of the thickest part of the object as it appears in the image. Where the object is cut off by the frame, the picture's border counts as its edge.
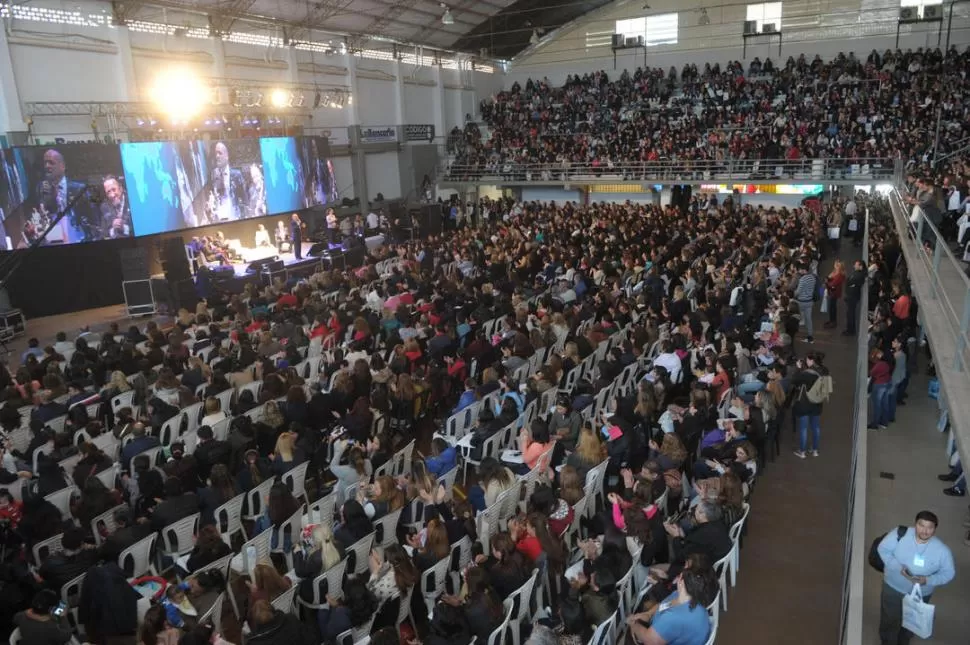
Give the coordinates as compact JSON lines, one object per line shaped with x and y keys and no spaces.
{"x":883,"y":107}
{"x":611,"y":378}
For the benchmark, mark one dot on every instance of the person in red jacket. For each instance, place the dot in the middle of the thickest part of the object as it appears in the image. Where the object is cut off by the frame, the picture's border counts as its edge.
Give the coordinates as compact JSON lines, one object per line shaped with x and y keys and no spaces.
{"x":880,"y":379}
{"x":833,"y":292}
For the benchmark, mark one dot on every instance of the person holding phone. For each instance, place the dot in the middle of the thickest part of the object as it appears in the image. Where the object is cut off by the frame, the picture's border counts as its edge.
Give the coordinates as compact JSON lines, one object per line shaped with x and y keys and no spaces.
{"x":41,"y":624}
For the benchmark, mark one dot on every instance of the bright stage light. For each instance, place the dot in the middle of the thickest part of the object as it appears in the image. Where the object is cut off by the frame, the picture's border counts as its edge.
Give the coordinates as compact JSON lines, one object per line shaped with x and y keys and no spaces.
{"x":179,"y":94}
{"x":279,"y":98}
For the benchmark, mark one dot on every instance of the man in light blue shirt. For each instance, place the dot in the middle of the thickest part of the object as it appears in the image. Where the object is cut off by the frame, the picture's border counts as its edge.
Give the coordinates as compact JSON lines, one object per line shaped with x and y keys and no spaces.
{"x":916,"y":558}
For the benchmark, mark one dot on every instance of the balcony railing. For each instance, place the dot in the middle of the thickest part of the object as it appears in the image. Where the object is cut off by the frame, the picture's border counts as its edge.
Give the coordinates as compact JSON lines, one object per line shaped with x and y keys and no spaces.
{"x":865,"y":171}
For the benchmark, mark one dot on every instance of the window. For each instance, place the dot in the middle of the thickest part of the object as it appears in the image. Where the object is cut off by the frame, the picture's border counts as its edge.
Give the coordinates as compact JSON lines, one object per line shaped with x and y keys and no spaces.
{"x":660,"y":29}
{"x":766,"y":13}
{"x":919,"y":4}
{"x":598,"y":39}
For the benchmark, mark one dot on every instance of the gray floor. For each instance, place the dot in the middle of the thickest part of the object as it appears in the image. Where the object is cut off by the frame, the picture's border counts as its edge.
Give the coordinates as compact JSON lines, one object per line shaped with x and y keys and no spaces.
{"x":914,"y":452}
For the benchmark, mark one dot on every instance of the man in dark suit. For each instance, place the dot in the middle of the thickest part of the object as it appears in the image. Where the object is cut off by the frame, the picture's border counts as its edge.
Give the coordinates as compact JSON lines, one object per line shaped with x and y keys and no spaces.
{"x":115,"y":211}
{"x":175,"y":506}
{"x":76,"y":558}
{"x":210,"y":452}
{"x":139,"y":443}
{"x":126,"y":534}
{"x":296,"y":235}
{"x":55,"y":193}
{"x":47,"y":409}
{"x":228,"y":187}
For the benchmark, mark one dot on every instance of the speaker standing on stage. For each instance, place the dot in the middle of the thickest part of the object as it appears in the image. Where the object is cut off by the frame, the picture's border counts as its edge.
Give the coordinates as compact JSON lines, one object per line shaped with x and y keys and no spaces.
{"x":331,"y":226}
{"x":296,"y":236}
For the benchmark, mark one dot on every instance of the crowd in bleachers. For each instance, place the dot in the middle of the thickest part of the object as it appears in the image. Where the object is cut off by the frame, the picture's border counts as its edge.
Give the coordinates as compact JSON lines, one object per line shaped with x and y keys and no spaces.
{"x":882,"y":107}
{"x":610,"y":379}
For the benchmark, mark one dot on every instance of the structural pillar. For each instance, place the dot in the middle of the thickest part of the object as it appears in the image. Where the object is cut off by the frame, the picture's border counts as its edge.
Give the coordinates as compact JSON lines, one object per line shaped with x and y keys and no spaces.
{"x":11,"y":116}
{"x":358,"y":159}
{"x":399,"y":93}
{"x":219,"y":69}
{"x":439,"y":102}
{"x":126,"y":64}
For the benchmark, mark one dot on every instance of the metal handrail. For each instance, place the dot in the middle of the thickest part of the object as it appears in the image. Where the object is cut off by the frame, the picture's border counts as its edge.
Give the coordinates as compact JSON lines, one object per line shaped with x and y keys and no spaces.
{"x":868,"y":169}
{"x":949,"y":283}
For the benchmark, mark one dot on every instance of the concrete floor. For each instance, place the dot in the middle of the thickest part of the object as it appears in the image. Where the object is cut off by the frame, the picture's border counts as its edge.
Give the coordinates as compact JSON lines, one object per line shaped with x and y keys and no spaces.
{"x":915,"y":452}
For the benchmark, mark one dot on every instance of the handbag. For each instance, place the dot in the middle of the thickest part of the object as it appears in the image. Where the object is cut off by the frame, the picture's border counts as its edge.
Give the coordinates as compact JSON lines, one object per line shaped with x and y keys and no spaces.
{"x":917,"y":615}
{"x":834,"y":232}
{"x":824,"y":309}
{"x":933,"y":388}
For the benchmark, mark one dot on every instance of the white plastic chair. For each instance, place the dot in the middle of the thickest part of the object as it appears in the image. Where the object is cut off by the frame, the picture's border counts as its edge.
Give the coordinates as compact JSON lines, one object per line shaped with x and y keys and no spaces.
{"x":285,"y":602}
{"x":57,"y":424}
{"x":295,"y":479}
{"x":433,"y":583}
{"x":214,"y":613}
{"x":140,"y":554}
{"x":256,"y":499}
{"x":45,"y":548}
{"x":385,"y":529}
{"x":290,"y":527}
{"x":229,"y":518}
{"x":735,"y":533}
{"x":220,"y":429}
{"x":322,"y":510}
{"x":178,"y":538}
{"x":107,"y":519}
{"x":170,"y":431}
{"x":605,"y":633}
{"x":62,"y":500}
{"x":361,"y":550}
{"x":333,"y":577}
{"x":123,"y":400}
{"x":448,"y":481}
{"x":721,"y":569}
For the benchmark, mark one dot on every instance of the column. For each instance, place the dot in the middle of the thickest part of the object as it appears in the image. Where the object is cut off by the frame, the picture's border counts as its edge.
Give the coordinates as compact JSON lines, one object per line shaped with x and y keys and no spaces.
{"x":399,"y":93}
{"x":126,"y":64}
{"x":292,"y":66}
{"x":219,"y":69}
{"x":439,"y":103}
{"x":358,"y":161}
{"x":354,"y":90}
{"x":11,"y":116}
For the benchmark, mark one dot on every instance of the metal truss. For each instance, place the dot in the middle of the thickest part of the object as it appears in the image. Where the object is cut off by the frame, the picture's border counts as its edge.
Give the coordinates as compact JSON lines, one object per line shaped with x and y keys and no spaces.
{"x":122,"y":109}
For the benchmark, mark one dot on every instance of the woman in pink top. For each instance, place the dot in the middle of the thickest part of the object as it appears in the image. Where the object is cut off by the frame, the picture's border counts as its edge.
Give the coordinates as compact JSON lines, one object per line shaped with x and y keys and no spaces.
{"x":533,"y":443}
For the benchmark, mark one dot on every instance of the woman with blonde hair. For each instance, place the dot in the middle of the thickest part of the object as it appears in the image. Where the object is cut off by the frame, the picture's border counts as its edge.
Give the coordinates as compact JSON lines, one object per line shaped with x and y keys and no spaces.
{"x":590,"y":451}
{"x":571,"y":485}
{"x":266,"y":584}
{"x":322,"y":557}
{"x":213,"y":412}
{"x":435,"y":547}
{"x":381,"y":497}
{"x":287,"y":455}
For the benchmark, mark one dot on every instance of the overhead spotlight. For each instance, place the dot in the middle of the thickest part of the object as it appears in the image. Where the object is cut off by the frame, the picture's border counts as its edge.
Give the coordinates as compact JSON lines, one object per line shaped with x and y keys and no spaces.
{"x":704,"y":19}
{"x":258,"y":99}
{"x":446,"y":17}
{"x":646,"y":6}
{"x":279,"y":98}
{"x":179,"y":93}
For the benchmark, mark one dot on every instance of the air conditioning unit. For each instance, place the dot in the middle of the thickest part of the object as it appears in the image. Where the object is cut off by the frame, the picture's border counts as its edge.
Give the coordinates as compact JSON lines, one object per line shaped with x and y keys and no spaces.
{"x":933,"y":12}
{"x":617,"y":41}
{"x":768,"y":28}
{"x":750,"y":27}
{"x":908,"y":14}
{"x":631,"y":41}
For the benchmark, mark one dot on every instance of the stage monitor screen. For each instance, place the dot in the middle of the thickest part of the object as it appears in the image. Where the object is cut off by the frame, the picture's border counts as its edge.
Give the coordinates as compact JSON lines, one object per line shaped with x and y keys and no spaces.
{"x":283,"y":169}
{"x":38,"y":182}
{"x":180,"y":185}
{"x":321,"y":182}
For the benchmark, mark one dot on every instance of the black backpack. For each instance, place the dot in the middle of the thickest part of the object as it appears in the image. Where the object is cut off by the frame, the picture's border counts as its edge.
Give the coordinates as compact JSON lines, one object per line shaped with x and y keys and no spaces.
{"x":875,"y":560}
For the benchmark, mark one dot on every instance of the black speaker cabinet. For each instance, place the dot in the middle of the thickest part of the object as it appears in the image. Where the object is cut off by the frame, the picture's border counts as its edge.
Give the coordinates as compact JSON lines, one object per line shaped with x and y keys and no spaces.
{"x":134,"y":264}
{"x":175,"y":263}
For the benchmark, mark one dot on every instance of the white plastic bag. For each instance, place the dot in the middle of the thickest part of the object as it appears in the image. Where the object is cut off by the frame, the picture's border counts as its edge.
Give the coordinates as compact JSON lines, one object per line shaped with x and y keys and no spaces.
{"x":917,"y":615}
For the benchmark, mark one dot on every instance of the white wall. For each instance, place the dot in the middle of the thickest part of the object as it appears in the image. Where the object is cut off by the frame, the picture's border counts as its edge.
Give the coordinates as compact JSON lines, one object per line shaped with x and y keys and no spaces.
{"x":69,"y":62}
{"x":808,"y":26}
{"x":383,"y":175}
{"x":343,"y":169}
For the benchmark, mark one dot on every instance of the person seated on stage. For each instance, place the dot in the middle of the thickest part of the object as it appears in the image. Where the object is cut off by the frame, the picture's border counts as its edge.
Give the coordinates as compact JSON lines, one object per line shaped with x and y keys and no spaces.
{"x":223,"y":245}
{"x":262,"y":236}
{"x":282,"y":236}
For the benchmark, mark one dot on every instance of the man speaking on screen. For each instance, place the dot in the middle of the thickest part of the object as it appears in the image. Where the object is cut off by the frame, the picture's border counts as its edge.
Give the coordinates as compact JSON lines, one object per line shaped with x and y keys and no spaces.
{"x":228,"y":187}
{"x":78,"y":224}
{"x":115,"y":211}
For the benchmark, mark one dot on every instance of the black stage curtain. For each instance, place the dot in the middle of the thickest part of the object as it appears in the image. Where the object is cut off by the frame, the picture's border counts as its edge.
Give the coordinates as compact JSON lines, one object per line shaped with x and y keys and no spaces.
{"x":63,"y":279}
